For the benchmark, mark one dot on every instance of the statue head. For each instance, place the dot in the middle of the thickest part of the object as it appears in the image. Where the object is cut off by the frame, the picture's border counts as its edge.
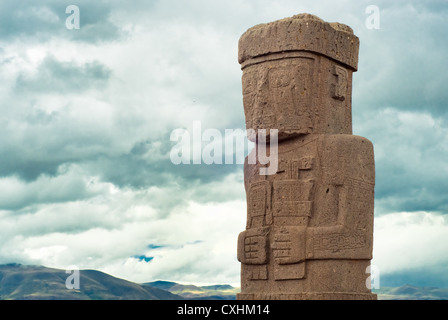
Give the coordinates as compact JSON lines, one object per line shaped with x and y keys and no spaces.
{"x":297,"y":82}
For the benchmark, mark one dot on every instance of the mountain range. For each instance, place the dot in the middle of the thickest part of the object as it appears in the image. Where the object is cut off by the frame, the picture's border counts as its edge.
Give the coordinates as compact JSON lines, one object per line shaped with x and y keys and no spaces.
{"x":19,"y":282}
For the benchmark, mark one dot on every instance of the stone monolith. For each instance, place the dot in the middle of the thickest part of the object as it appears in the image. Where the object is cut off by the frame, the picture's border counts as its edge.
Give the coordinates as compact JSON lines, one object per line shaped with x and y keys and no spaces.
{"x":309,"y":233}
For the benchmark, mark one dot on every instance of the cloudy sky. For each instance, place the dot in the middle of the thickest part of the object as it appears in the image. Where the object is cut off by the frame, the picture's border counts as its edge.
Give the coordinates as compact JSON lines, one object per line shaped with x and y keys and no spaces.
{"x":87,"y":114}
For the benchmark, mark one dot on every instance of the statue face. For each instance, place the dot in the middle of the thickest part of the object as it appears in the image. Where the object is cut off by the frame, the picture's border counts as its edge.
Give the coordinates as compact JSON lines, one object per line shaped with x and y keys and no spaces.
{"x":277,"y":95}
{"x":297,"y":94}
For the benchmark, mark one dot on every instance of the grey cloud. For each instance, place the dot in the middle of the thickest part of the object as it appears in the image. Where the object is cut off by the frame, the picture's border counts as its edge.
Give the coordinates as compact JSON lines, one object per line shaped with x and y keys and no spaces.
{"x":430,"y":276}
{"x":136,"y":168}
{"x":411,"y":154}
{"x":37,"y":140}
{"x":42,"y":151}
{"x":408,"y":190}
{"x":27,"y":169}
{"x":63,"y":77}
{"x":48,"y":190}
{"x":22,"y":18}
{"x":401,"y":64}
{"x":37,"y":148}
{"x":27,"y":20}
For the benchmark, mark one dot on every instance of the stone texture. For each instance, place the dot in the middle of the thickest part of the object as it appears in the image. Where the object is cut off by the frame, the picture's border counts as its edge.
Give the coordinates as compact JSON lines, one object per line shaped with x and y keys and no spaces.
{"x":309,"y":232}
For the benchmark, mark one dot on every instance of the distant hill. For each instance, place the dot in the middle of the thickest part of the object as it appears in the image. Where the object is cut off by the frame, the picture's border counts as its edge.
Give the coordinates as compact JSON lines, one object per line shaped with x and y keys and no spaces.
{"x":19,"y":282}
{"x":409,"y":292}
{"x":192,"y":292}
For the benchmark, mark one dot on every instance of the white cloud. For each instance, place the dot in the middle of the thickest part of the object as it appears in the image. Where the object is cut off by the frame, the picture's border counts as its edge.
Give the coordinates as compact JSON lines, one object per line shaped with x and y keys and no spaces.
{"x":198,"y":246}
{"x":410,"y":240}
{"x":70,"y":185}
{"x":111,"y":226}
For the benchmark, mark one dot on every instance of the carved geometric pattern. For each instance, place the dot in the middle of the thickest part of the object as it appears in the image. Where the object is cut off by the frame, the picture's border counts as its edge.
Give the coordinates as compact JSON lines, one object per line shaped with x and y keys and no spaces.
{"x":340,"y":88}
{"x":339,"y":241}
{"x":259,"y":203}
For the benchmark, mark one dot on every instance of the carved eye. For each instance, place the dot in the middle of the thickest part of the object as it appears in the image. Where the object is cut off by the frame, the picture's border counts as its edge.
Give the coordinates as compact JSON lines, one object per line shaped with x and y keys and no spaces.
{"x":279,"y":77}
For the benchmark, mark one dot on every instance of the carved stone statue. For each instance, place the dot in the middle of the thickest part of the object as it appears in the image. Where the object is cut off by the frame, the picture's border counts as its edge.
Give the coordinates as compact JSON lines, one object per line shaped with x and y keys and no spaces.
{"x":309,"y":231}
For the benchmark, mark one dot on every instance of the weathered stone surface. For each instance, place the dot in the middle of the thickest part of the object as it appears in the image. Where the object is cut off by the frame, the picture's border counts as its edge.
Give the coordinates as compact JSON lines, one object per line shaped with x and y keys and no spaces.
{"x":309,"y":232}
